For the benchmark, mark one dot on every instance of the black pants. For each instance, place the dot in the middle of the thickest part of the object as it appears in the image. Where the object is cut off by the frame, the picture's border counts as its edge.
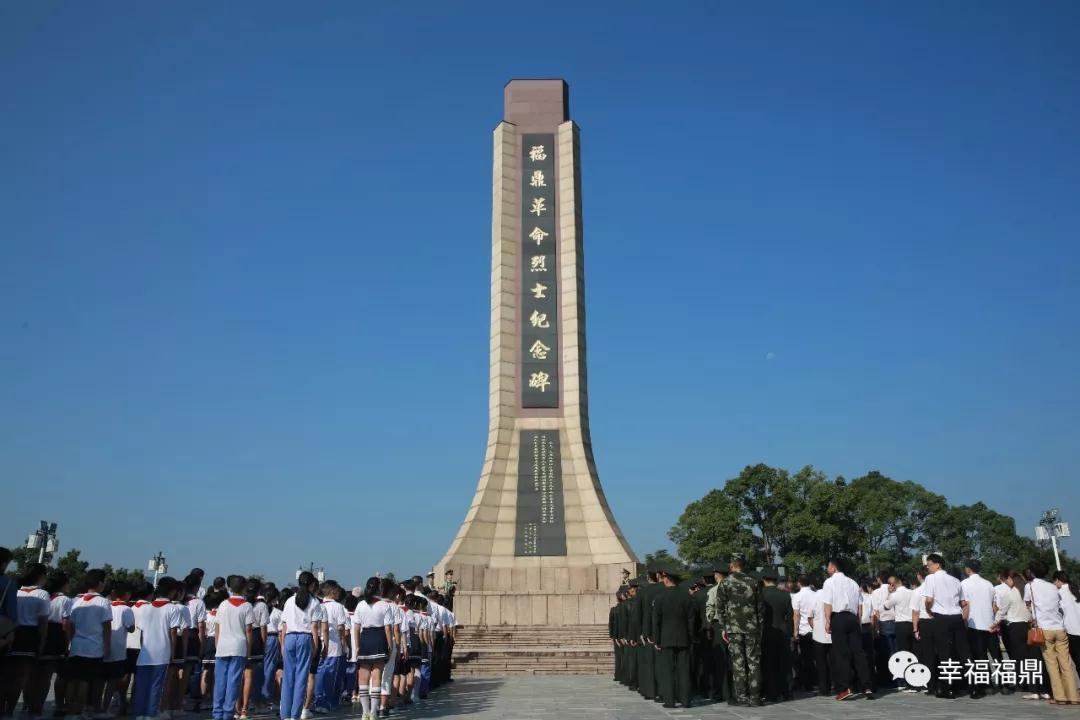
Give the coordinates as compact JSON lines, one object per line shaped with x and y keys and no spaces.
{"x":723,"y":686}
{"x":821,"y":660}
{"x":676,"y":675}
{"x":950,"y":642}
{"x":776,"y":664}
{"x":806,"y":661}
{"x":871,"y":655}
{"x":905,"y":641}
{"x":847,"y":650}
{"x":1074,"y":650}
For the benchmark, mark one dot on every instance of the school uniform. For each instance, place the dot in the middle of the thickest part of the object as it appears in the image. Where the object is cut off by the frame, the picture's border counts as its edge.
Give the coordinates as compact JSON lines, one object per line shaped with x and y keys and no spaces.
{"x":372,"y":620}
{"x":271,"y":653}
{"x":157,"y":621}
{"x":210,"y":644}
{"x":56,"y":642}
{"x":328,"y":679}
{"x":260,"y":618}
{"x":234,"y":619}
{"x":134,"y":639}
{"x":123,"y":620}
{"x":197,"y":612}
{"x":90,"y":613}
{"x":427,"y":625}
{"x":299,"y":646}
{"x":31,"y":605}
{"x":396,"y":616}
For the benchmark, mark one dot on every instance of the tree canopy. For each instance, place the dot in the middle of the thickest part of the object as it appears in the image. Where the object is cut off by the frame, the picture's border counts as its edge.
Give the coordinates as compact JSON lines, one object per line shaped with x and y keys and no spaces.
{"x":874,"y":522}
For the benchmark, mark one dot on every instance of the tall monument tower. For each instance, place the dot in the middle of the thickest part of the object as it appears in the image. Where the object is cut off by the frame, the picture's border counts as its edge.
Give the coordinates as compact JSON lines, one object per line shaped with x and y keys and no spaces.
{"x":539,"y":545}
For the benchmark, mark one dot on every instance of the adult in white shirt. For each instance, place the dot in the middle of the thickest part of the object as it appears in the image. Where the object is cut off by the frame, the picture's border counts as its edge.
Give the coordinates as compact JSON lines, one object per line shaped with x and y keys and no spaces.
{"x":1070,"y":608}
{"x":948,"y":632}
{"x":999,"y":592}
{"x":922,"y":627}
{"x":885,"y":619}
{"x":1045,"y":602}
{"x":843,"y":608}
{"x":802,"y":609}
{"x":815,"y":616}
{"x":978,"y":595}
{"x":1013,"y":620}
{"x":898,"y":604}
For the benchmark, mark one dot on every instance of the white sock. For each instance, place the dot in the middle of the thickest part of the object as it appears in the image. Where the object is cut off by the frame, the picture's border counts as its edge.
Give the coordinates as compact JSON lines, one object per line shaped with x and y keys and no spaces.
{"x":365,"y":701}
{"x":376,"y":697}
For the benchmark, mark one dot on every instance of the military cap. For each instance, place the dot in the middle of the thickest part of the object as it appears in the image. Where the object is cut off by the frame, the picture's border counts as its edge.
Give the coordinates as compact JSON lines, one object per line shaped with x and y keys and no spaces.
{"x":770,"y":573}
{"x":635,"y":583}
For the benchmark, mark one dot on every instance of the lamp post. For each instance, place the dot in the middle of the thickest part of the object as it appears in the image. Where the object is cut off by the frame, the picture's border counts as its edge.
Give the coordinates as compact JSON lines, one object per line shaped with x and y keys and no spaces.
{"x":318,"y":572}
{"x":1051,"y":528}
{"x":158,"y":566}
{"x":43,"y":540}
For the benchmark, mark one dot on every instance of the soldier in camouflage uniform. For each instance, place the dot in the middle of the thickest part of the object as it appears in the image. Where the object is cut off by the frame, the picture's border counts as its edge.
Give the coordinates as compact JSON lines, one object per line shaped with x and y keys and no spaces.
{"x":721,"y":670}
{"x":739,"y":610}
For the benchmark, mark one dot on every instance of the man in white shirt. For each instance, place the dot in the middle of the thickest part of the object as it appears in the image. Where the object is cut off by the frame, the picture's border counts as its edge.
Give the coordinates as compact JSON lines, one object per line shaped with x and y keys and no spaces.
{"x":802,"y":609}
{"x":978,"y":595}
{"x":885,"y":619}
{"x":232,"y":638}
{"x":90,"y":633}
{"x":948,"y":637}
{"x":815,"y":616}
{"x":843,"y":600}
{"x":898,"y":603}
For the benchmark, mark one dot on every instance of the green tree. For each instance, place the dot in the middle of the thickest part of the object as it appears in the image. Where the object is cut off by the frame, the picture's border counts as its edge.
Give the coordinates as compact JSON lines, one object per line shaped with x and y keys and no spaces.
{"x":711,"y":528}
{"x":75,"y":568}
{"x":663,"y":560}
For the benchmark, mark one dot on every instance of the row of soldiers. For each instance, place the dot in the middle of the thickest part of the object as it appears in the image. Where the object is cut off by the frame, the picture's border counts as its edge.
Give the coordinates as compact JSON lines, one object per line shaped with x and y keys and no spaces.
{"x":678,"y":639}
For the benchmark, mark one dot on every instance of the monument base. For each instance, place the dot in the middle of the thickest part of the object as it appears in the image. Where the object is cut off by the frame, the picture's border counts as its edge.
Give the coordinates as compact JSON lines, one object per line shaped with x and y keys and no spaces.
{"x":541,"y":593}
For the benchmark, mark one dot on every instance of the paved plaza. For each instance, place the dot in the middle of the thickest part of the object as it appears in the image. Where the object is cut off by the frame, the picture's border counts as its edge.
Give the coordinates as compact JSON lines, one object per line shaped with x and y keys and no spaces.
{"x":588,"y":697}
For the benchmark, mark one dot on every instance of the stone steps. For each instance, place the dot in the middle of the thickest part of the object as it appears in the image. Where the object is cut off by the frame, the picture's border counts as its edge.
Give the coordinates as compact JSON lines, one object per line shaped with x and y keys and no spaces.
{"x":533,"y":650}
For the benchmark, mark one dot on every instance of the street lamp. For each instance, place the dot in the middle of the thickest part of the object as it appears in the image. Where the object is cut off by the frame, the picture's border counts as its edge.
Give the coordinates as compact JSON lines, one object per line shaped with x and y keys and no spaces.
{"x":43,"y":540}
{"x":1051,"y":528}
{"x":319,"y":573}
{"x":158,"y":566}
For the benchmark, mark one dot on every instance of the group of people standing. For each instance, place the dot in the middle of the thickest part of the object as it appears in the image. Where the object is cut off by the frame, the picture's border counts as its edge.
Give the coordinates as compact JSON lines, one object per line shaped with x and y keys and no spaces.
{"x":753,"y":637}
{"x":235,"y":648}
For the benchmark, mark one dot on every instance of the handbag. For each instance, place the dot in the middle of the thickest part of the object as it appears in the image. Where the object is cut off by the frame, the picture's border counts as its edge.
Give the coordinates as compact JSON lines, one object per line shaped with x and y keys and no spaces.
{"x":1035,"y":636}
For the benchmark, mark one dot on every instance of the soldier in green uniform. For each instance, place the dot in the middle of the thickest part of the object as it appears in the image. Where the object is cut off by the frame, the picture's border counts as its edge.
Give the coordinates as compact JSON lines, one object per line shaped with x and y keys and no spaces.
{"x":721,"y":668}
{"x":776,"y":648}
{"x":633,"y":635}
{"x":673,"y":622}
{"x":647,"y":655}
{"x":739,"y":610}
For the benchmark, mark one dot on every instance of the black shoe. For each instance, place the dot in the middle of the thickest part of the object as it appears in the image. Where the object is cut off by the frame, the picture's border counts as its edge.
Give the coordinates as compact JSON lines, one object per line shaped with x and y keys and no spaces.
{"x":669,"y":705}
{"x":978,"y":694}
{"x":869,"y":695}
{"x":1007,"y":691}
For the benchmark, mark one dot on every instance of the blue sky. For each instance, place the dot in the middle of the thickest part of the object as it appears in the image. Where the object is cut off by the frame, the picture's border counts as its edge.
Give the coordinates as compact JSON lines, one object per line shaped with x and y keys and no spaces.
{"x":244,"y":289}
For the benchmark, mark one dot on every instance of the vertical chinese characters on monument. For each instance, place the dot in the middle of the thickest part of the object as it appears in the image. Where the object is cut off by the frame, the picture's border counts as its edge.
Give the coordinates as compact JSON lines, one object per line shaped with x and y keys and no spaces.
{"x":539,"y":274}
{"x":540,"y":526}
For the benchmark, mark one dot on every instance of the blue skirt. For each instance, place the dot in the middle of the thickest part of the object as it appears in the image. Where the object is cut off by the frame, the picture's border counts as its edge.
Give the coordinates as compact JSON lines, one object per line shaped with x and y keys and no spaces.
{"x":373,"y":645}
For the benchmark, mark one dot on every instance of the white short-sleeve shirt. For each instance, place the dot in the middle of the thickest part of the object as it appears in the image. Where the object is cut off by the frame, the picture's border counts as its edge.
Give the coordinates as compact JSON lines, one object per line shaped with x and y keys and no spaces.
{"x":802,"y":603}
{"x":1046,"y":603}
{"x":1071,"y":610}
{"x":877,"y":602}
{"x":302,"y":620}
{"x":335,"y":619}
{"x":156,"y":621}
{"x":232,"y":620}
{"x":123,"y":620}
{"x":978,"y":593}
{"x":842,"y":593}
{"x":89,"y":613}
{"x":211,"y":624}
{"x":377,"y":614}
{"x":899,"y":603}
{"x":945,"y":590}
{"x":32,"y":604}
{"x":197,"y":612}
{"x":260,"y":615}
{"x":918,"y":602}
{"x":59,"y":608}
{"x":817,"y":612}
{"x":273,"y":621}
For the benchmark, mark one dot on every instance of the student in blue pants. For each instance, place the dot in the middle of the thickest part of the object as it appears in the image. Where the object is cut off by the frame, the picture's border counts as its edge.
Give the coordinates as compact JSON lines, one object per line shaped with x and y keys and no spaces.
{"x":329,"y":678}
{"x":159,"y":622}
{"x":233,"y":640}
{"x":302,"y":620}
{"x":272,"y":652}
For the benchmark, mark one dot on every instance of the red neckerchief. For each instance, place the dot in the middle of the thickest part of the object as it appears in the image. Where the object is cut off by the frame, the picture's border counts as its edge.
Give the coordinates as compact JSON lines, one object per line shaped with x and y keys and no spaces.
{"x":140,"y":603}
{"x":161,"y":602}
{"x":56,"y":595}
{"x":89,"y":596}
{"x":32,"y":588}
{"x":237,"y":601}
{"x":118,"y":603}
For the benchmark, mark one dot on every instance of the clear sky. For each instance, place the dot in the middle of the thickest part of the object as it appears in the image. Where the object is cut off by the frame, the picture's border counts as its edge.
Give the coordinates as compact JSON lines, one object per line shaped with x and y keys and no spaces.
{"x":246,"y":251}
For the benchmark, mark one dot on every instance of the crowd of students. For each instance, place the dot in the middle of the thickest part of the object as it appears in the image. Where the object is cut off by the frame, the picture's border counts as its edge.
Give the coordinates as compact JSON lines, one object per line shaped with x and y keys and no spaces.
{"x":235,"y":649}
{"x":753,"y":637}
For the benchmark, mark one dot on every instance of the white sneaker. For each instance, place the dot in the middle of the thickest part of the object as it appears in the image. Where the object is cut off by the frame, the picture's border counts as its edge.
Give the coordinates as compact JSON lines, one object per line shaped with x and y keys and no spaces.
{"x":305,"y":714}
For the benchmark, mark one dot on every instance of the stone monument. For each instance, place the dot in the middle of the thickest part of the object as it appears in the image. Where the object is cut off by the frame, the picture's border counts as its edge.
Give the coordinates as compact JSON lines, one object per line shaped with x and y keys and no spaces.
{"x":539,"y":545}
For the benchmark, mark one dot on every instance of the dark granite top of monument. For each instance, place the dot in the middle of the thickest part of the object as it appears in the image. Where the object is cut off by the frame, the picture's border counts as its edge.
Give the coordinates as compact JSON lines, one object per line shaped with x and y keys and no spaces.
{"x":540,"y":105}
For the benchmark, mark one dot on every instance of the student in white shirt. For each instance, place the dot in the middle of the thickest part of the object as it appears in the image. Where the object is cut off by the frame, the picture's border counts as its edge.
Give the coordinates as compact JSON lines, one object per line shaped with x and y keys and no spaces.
{"x":232,"y":639}
{"x":253,"y":672}
{"x":978,"y":595}
{"x":375,"y":620}
{"x":1045,"y":603}
{"x":272,"y":649}
{"x":56,"y":644}
{"x":90,"y":632}
{"x":390,"y":593}
{"x":843,"y":602}
{"x":212,"y":599}
{"x":801,"y":606}
{"x":1070,"y":608}
{"x":31,"y":632}
{"x":123,"y":623}
{"x":948,"y":632}
{"x":301,"y":628}
{"x":159,"y":622}
{"x":332,"y":666}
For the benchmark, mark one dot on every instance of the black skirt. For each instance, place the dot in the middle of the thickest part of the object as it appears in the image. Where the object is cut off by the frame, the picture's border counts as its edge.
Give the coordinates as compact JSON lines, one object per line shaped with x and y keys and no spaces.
{"x":373,"y":645}
{"x":27,"y":639}
{"x":209,"y":649}
{"x":56,"y":642}
{"x":194,"y":651}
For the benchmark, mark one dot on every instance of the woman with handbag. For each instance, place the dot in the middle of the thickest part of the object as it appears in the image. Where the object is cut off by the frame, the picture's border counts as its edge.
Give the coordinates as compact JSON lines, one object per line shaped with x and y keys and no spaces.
{"x":1049,"y":628}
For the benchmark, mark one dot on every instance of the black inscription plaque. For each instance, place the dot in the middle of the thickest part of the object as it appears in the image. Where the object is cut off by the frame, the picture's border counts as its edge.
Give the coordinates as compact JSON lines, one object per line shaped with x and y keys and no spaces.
{"x":541,"y":529}
{"x":539,"y":291}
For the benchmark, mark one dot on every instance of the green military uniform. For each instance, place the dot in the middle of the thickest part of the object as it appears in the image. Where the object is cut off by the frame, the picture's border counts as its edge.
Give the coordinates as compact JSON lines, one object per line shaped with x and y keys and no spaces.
{"x":633,"y":637}
{"x":776,"y":648}
{"x":721,"y":679}
{"x":673,"y":622}
{"x":739,"y":610}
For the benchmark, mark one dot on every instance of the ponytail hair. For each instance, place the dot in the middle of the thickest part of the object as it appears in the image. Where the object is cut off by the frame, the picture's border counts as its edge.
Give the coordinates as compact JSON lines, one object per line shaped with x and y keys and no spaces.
{"x":303,"y":591}
{"x":371,"y":590}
